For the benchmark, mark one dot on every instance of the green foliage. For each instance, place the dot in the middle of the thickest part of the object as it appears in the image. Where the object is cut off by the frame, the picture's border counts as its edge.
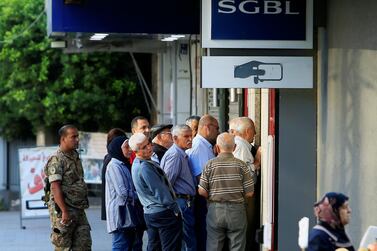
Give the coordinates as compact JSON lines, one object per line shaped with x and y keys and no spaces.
{"x":43,"y":87}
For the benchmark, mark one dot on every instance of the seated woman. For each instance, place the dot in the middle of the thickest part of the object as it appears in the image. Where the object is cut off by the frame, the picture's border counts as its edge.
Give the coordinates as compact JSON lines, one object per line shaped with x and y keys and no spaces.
{"x":333,"y":213}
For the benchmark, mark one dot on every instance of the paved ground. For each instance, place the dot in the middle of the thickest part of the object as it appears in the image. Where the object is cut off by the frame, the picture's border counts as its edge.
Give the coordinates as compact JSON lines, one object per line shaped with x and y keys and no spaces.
{"x":35,"y":237}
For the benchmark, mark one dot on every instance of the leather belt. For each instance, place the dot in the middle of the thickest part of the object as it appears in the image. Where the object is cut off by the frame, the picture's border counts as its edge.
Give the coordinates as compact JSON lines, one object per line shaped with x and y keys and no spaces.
{"x":185,"y":196}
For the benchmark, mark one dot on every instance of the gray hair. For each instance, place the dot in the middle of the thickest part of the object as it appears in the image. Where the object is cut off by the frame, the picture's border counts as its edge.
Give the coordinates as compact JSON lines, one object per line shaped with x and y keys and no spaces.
{"x":136,"y":140}
{"x":179,"y":128}
{"x":242,"y":123}
{"x":226,"y":142}
{"x":233,"y":124}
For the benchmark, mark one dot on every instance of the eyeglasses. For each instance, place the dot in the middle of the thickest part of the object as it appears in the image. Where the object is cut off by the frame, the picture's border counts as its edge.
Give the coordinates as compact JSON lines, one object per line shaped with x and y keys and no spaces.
{"x":145,"y":146}
{"x":169,"y":133}
{"x":215,"y":126}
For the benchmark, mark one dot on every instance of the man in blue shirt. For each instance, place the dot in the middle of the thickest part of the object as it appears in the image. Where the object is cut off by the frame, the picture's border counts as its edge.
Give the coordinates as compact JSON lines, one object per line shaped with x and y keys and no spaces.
{"x":176,"y":166}
{"x":161,"y":211}
{"x":199,"y":154}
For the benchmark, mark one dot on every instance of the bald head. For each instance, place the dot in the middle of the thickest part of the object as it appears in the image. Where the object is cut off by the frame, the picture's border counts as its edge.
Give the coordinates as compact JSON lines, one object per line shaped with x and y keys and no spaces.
{"x":205,"y":120}
{"x":208,"y":128}
{"x":225,"y":142}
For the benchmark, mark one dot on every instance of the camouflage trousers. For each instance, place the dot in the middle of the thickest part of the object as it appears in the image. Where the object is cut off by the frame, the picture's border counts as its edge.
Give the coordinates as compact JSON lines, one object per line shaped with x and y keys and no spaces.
{"x":75,"y":236}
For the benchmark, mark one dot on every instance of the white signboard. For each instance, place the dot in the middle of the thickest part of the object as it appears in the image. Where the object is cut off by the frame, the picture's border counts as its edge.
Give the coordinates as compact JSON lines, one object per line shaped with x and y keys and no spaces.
{"x":257,"y":72}
{"x":32,"y":161}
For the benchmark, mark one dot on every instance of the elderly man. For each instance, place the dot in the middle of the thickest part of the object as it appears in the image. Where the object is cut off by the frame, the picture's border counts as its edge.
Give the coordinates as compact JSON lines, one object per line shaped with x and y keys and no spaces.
{"x":193,"y":122}
{"x":161,"y":211}
{"x":162,"y":140}
{"x":226,"y":181}
{"x":244,"y":130}
{"x":69,"y":197}
{"x":199,"y":154}
{"x":176,"y":166}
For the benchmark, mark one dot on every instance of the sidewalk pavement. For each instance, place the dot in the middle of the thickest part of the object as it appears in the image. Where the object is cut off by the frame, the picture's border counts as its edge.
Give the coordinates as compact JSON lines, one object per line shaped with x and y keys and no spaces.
{"x":35,"y":236}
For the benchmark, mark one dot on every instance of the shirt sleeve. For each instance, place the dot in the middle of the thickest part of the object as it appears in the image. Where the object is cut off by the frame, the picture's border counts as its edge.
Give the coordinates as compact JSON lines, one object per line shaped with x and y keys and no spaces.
{"x":198,"y":160}
{"x":204,"y":180}
{"x":245,"y":155}
{"x":54,"y":169}
{"x":119,"y":181}
{"x":248,"y":179}
{"x":171,"y":164}
{"x":156,"y":186}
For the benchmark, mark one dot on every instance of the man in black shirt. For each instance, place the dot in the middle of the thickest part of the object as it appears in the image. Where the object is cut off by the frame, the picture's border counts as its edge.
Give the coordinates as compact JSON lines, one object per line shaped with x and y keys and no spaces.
{"x":162,"y":140}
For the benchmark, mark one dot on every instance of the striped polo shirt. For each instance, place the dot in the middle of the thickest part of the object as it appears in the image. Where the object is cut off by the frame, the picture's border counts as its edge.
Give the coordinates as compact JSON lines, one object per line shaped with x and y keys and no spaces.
{"x":226,"y":179}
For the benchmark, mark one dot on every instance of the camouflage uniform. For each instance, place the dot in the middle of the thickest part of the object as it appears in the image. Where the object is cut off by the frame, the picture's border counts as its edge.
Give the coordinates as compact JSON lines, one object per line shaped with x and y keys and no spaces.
{"x":67,"y":168}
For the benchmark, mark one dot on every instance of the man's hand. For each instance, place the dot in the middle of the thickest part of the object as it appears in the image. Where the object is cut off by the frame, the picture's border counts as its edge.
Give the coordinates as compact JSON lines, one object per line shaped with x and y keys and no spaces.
{"x":257,"y":159}
{"x":59,"y":201}
{"x":203,"y":192}
{"x":249,"y":194}
{"x":66,"y":220}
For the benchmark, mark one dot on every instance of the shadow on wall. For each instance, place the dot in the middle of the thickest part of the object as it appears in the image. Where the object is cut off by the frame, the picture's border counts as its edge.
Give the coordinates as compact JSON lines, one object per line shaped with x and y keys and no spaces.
{"x":350,"y":83}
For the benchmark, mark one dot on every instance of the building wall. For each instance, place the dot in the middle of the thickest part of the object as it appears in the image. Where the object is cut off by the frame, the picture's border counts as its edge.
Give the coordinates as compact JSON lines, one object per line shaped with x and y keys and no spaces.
{"x":174,"y":89}
{"x":347,"y":105}
{"x":295,"y":162}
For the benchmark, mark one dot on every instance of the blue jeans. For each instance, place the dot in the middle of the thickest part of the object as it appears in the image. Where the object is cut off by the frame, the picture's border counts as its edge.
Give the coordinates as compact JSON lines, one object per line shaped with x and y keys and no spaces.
{"x":187,"y":208}
{"x":127,"y":240}
{"x":164,"y":231}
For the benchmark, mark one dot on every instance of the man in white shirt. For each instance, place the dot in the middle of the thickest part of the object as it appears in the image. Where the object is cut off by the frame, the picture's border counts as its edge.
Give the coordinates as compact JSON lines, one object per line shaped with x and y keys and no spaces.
{"x":244,"y":131}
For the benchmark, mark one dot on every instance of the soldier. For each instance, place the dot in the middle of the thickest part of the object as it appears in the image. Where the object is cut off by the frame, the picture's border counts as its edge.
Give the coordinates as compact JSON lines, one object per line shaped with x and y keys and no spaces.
{"x":68,"y":197}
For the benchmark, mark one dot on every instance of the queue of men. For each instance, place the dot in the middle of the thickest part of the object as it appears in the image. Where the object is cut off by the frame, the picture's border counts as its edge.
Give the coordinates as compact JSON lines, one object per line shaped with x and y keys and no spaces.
{"x":199,"y":172}
{"x":196,"y":186}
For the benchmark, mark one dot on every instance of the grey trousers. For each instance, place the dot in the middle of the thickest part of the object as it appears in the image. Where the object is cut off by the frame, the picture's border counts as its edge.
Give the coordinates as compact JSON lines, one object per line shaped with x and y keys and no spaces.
{"x":226,"y":220}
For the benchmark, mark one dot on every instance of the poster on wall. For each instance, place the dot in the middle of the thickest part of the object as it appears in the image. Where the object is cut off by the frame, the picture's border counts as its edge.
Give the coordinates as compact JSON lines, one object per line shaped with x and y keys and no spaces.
{"x":92,"y":151}
{"x":31,"y":163}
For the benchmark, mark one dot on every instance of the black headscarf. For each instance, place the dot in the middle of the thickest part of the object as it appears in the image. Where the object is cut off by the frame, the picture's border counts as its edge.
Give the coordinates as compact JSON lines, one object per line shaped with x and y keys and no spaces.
{"x":115,"y":149}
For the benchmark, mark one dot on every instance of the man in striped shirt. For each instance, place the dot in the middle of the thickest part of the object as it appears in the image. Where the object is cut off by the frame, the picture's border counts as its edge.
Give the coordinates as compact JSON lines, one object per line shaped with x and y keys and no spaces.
{"x":225,"y":182}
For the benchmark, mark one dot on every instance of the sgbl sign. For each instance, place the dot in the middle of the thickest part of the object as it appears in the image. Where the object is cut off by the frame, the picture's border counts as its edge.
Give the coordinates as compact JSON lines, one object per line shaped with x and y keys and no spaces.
{"x":258,"y":19}
{"x":257,"y":7}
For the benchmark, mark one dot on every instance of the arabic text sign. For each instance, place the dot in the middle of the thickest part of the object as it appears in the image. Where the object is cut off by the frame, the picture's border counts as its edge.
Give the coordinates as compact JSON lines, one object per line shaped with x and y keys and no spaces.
{"x":31,"y":163}
{"x":257,"y":72}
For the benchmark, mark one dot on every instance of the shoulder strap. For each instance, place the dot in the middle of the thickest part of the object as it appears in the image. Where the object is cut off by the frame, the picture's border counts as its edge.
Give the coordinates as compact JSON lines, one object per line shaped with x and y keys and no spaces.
{"x":321,"y":228}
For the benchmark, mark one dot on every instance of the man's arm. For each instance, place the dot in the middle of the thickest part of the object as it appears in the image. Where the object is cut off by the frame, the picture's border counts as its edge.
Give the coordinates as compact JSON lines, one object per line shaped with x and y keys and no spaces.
{"x":249,"y":194}
{"x":156,"y":186}
{"x":115,"y":177}
{"x":171,"y":164}
{"x":59,"y":200}
{"x":203,"y":192}
{"x":257,"y":159}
